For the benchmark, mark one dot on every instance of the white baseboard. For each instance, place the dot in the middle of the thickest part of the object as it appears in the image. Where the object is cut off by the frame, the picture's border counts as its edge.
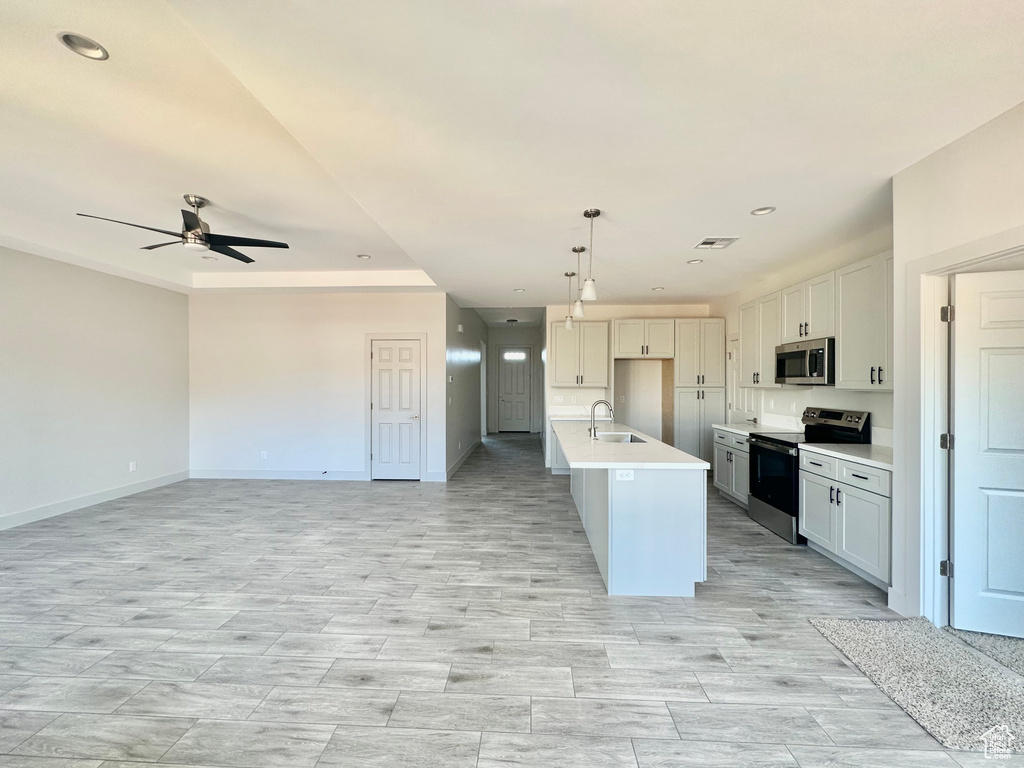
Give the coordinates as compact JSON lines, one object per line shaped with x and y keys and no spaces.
{"x":15,"y":519}
{"x":461,"y":460}
{"x":274,"y":474}
{"x":435,"y":477}
{"x":899,"y":603}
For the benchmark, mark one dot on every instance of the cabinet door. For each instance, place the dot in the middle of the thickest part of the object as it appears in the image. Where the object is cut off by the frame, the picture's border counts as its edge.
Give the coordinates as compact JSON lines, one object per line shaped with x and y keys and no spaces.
{"x":712,"y":352}
{"x":820,"y":309}
{"x":817,"y":518}
{"x":740,"y":475}
{"x":768,"y":323}
{"x":593,"y":354}
{"x":712,"y":411}
{"x":722,"y":468}
{"x":749,"y":344}
{"x":859,"y":324}
{"x":687,"y":421}
{"x":630,"y":338}
{"x":793,"y":313}
{"x":661,"y":339}
{"x":862,"y":520}
{"x":887,"y":332}
{"x":687,"y":353}
{"x":565,"y":356}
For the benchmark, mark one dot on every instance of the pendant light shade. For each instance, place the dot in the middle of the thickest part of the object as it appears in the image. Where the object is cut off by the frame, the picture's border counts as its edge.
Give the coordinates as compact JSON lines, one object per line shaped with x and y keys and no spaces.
{"x":589,"y":290}
{"x":568,"y":323}
{"x":577,"y":308}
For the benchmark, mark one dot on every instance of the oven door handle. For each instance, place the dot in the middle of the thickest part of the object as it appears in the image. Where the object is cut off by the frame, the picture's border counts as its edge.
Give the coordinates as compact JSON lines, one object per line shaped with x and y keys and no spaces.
{"x":771,"y":447}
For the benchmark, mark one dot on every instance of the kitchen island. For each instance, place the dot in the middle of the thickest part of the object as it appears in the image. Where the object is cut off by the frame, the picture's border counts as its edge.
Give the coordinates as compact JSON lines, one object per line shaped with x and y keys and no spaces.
{"x":643,"y":505}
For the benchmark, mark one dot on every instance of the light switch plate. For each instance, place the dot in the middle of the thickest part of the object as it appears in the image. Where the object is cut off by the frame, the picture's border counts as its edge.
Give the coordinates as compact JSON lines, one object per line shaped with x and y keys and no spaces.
{"x":623,"y":474}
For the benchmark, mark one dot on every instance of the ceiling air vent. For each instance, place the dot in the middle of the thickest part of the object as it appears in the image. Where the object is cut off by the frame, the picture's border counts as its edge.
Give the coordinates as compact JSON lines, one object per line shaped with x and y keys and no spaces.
{"x":716,"y":242}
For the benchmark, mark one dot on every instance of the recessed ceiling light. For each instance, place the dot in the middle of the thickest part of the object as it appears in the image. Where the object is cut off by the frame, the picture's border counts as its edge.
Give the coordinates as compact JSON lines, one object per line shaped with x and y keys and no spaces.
{"x":763,"y":211}
{"x":84,"y":46}
{"x":210,"y":258}
{"x":659,"y":288}
{"x":363,"y":256}
{"x":695,"y":261}
{"x":519,"y":290}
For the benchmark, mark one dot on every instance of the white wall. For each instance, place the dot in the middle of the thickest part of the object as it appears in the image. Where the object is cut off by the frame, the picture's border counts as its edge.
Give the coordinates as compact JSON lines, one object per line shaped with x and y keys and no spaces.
{"x":287,"y":374}
{"x":463,"y":372}
{"x":958,"y":205}
{"x":528,"y":337}
{"x":93,"y":375}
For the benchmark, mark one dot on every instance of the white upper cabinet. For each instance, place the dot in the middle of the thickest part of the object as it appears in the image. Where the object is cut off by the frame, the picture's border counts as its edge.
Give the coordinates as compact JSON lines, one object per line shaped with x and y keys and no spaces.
{"x":644,"y":338}
{"x":808,"y":309}
{"x":863,"y":327}
{"x":769,"y":335}
{"x":700,"y":352}
{"x":750,"y":350}
{"x":579,"y":358}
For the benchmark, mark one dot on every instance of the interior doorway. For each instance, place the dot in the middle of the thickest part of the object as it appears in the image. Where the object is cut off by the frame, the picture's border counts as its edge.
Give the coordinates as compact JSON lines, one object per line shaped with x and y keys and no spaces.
{"x":483,"y":389}
{"x":987,"y":469}
{"x":395,"y":409}
{"x":515,"y":387}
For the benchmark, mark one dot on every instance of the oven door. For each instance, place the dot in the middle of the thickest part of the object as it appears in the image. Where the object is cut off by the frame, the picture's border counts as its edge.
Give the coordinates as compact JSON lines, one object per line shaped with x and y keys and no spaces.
{"x":774,"y":476}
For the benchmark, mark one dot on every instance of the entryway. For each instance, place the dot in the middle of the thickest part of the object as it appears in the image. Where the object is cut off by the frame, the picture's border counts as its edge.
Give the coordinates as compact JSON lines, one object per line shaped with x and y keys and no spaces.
{"x":515,"y":385}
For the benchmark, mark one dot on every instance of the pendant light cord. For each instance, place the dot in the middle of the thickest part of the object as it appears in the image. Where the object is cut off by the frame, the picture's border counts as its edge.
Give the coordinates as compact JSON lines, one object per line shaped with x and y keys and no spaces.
{"x":590,"y":268}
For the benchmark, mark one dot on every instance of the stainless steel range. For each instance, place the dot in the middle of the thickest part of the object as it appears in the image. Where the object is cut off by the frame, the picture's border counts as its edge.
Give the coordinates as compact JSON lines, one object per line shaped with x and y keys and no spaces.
{"x":774,"y":500}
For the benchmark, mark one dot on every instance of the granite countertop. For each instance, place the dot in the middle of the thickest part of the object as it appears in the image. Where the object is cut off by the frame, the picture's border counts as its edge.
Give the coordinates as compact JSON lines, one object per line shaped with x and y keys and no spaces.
{"x":583,"y":453}
{"x":878,"y":456}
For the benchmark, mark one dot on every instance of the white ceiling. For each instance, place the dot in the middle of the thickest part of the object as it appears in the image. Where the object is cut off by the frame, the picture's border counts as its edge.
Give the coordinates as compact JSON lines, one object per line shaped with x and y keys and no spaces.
{"x":466,"y":138}
{"x":499,"y":316}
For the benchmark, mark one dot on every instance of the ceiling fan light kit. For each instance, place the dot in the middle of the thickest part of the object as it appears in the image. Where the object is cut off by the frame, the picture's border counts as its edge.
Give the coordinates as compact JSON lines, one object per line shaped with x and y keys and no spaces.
{"x":195,"y":235}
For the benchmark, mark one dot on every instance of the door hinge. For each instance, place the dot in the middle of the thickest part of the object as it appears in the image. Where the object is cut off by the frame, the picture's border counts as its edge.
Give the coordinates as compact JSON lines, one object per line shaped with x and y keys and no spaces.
{"x":946,"y":568}
{"x":946,"y":441}
{"x":947,"y":313}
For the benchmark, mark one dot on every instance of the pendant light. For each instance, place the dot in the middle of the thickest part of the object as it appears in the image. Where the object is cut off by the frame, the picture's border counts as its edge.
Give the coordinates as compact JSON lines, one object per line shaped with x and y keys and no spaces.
{"x":589,"y":291}
{"x":577,"y":306}
{"x":568,"y":317}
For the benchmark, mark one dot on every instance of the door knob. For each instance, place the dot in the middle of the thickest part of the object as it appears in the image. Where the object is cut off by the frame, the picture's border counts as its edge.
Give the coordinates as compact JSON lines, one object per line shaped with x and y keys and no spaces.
{"x":415,"y":417}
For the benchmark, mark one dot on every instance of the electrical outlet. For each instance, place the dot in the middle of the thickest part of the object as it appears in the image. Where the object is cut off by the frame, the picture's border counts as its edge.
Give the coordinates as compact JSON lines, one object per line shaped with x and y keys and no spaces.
{"x":449,"y":401}
{"x":132,"y":466}
{"x":792,"y":407}
{"x":771,"y":404}
{"x":460,"y":445}
{"x":573,"y":399}
{"x":559,"y":399}
{"x":263,"y":455}
{"x":624,"y":474}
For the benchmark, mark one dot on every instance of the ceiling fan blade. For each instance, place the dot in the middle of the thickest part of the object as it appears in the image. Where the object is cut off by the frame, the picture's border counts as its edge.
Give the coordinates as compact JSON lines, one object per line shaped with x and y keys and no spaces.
{"x":129,"y":224}
{"x":159,"y":245}
{"x":191,"y":221}
{"x":224,"y":250}
{"x":213,"y":239}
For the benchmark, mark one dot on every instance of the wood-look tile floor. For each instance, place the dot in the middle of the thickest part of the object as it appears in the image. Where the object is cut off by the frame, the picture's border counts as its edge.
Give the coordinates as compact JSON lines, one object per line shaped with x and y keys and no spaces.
{"x":295,"y":624}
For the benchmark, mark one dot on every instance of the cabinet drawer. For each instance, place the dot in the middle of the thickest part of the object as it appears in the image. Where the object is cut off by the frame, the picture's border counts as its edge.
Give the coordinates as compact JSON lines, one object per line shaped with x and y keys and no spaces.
{"x":819,"y":464}
{"x":739,"y":443}
{"x":722,"y":438}
{"x":868,"y":478}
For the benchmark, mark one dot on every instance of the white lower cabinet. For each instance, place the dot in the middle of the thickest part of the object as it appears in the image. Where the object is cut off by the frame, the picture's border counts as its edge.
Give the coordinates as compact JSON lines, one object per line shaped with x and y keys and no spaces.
{"x":695,"y":411}
{"x":731,"y":465}
{"x":851,"y":523}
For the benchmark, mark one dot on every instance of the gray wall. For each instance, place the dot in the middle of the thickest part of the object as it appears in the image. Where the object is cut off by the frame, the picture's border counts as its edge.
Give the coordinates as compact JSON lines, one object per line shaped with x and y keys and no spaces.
{"x":463,"y":383}
{"x":532,"y":338}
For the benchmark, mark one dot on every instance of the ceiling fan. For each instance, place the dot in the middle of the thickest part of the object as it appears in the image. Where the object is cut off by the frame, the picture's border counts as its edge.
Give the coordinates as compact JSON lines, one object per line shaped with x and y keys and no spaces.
{"x":196,"y":235}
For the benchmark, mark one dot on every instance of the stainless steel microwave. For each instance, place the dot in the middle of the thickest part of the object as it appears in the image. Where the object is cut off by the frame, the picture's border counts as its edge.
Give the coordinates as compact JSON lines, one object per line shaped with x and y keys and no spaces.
{"x":806,"y":362}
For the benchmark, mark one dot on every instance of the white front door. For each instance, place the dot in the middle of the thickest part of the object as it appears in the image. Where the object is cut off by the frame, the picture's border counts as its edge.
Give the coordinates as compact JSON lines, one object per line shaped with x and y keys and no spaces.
{"x":395,"y":410}
{"x":514,"y":384}
{"x":988,"y":455}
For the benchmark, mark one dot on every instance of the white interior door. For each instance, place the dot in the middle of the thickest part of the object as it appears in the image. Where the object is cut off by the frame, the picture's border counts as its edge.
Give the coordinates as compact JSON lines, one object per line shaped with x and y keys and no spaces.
{"x":988,"y":455}
{"x":514,"y":385}
{"x":395,"y":410}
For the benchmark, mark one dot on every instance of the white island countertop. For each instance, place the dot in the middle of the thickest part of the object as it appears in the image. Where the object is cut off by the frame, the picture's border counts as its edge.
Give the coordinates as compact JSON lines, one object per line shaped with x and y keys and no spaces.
{"x":583,"y":453}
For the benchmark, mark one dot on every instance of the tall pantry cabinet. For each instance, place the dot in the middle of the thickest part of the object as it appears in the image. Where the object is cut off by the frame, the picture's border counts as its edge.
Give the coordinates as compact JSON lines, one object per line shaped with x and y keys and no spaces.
{"x":700,"y":384}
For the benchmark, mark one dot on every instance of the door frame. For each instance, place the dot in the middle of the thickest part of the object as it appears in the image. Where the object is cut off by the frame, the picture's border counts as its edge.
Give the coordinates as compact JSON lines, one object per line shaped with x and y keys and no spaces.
{"x":368,"y":394}
{"x":919,"y":544}
{"x":497,"y":395}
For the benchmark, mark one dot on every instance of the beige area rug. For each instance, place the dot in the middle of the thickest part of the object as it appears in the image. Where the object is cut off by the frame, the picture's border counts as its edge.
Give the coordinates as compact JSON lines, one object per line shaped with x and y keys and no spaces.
{"x":1008,"y":651}
{"x":961,"y":700}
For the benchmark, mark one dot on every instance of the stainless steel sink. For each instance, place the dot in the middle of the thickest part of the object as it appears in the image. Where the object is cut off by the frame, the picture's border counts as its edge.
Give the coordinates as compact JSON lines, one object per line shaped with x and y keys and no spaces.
{"x":618,"y":437}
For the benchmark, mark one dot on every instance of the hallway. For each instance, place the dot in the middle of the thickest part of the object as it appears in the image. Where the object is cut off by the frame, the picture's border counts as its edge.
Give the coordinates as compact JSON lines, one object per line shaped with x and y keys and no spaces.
{"x":293,"y":623}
